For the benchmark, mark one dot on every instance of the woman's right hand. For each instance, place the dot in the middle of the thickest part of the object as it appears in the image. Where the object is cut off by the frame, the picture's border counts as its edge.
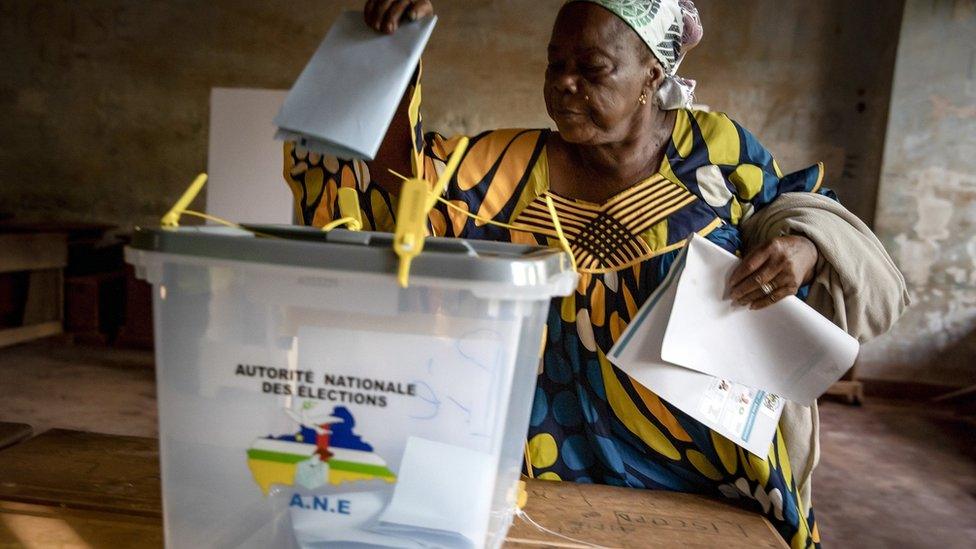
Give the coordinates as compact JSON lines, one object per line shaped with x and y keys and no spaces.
{"x":385,"y":15}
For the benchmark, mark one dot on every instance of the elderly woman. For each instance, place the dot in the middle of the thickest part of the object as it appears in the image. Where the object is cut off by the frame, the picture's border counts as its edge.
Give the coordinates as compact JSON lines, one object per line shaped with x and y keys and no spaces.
{"x":632,"y":173}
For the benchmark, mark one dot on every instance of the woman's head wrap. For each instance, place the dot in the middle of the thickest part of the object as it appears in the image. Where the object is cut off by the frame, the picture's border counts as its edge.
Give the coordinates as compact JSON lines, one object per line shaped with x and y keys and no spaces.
{"x":670,"y":28}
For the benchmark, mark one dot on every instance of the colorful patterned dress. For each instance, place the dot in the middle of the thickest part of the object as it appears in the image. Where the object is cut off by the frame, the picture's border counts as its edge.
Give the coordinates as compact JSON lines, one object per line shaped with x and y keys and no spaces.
{"x":590,"y":421}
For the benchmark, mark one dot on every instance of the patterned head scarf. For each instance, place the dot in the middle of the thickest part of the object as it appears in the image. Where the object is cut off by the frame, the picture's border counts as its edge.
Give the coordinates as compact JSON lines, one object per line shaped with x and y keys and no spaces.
{"x":670,"y":28}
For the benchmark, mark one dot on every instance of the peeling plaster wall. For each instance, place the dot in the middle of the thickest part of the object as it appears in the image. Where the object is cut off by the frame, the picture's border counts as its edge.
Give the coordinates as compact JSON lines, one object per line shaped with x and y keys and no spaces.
{"x":811,"y":79}
{"x":927,"y":202}
{"x":105,"y":102}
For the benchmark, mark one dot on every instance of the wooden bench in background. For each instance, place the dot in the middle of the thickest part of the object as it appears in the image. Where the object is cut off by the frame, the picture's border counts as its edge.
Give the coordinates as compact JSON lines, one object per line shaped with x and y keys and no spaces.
{"x":31,"y":284}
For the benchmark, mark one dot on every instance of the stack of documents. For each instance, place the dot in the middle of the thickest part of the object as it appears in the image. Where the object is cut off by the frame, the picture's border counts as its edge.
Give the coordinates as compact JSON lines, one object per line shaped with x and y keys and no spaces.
{"x":343,"y":102}
{"x":728,"y":366}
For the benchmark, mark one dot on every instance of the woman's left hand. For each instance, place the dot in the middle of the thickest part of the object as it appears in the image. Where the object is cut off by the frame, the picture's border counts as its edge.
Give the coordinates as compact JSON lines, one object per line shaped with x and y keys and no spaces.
{"x":773,"y":271}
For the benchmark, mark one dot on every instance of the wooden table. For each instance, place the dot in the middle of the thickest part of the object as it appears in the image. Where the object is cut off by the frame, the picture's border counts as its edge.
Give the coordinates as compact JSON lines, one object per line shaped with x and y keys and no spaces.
{"x":74,"y":489}
{"x":26,"y":525}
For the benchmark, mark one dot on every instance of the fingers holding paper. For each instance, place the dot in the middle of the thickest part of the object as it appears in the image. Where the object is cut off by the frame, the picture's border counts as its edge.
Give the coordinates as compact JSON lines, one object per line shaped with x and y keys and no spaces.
{"x":386,"y":15}
{"x":773,"y":271}
{"x":770,"y":292}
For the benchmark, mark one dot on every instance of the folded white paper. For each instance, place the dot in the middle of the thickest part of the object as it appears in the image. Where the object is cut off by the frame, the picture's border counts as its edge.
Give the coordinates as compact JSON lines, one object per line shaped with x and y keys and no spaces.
{"x":787,"y":348}
{"x":746,"y":416}
{"x":443,"y":493}
{"x":343,"y":101}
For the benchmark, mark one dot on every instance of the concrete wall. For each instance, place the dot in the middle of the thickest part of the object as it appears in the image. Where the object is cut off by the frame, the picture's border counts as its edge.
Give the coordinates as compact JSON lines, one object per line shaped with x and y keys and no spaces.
{"x":927,"y":202}
{"x":105,"y":103}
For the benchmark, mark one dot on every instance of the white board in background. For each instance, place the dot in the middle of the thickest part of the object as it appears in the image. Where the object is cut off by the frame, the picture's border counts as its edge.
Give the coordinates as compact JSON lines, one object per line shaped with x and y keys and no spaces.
{"x":244,"y":162}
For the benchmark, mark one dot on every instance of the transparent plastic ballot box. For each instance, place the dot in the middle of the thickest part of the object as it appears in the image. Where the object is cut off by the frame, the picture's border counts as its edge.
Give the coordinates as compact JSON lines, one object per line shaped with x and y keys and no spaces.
{"x":307,"y":400}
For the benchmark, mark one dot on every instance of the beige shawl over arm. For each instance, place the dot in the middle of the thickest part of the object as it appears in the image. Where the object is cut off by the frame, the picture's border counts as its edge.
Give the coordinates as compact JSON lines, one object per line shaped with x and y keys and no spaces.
{"x":856,"y":285}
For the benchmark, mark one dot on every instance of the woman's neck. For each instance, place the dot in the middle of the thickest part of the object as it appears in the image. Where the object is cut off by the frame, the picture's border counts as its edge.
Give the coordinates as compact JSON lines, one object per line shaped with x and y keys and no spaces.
{"x":618,"y":165}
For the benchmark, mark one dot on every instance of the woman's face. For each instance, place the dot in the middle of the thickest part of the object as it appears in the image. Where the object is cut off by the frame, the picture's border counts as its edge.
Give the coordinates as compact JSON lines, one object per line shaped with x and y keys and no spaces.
{"x":595,"y":55}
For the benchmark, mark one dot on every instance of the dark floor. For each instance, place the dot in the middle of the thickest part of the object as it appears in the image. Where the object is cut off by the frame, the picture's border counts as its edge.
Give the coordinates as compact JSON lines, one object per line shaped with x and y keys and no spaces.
{"x":892,"y":473}
{"x":51,"y":384}
{"x":895,"y":474}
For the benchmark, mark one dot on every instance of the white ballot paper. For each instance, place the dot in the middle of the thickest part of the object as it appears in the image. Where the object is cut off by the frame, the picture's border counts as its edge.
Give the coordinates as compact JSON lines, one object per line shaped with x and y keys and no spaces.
{"x":442,"y":495}
{"x":746,"y":416}
{"x":787,"y":348}
{"x":343,"y":101}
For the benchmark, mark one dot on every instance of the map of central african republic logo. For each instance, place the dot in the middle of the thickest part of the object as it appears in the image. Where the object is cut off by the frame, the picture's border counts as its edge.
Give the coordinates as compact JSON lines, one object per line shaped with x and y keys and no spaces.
{"x":323,"y":450}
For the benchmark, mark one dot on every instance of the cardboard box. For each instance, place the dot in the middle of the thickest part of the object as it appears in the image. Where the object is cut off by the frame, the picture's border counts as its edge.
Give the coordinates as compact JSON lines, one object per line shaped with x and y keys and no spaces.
{"x":625,"y":517}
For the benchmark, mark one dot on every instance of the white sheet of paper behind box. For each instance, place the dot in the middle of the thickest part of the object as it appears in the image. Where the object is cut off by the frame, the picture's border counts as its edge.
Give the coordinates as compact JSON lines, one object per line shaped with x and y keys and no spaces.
{"x":442,"y":488}
{"x":452,"y":375}
{"x":745,"y":416}
{"x":244,"y":160}
{"x":787,"y":348}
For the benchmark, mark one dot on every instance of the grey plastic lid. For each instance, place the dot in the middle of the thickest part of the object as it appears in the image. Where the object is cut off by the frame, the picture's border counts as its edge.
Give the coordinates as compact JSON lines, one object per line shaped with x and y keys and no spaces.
{"x":361,"y":251}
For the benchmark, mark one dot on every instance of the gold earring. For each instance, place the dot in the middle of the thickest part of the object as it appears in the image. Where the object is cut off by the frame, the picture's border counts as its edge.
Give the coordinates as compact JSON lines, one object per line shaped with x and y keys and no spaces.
{"x":642,"y":99}
{"x":586,"y":98}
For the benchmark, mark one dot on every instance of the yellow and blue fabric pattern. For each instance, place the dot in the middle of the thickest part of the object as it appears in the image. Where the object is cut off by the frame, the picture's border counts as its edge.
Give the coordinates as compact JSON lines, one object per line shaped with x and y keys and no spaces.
{"x":590,"y":421}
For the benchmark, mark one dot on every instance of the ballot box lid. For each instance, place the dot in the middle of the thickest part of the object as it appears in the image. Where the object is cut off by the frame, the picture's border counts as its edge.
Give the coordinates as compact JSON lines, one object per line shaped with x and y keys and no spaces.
{"x":546,"y":270}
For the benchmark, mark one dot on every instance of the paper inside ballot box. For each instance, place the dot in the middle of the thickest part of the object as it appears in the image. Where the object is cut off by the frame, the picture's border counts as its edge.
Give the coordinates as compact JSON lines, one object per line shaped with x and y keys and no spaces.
{"x":609,"y":516}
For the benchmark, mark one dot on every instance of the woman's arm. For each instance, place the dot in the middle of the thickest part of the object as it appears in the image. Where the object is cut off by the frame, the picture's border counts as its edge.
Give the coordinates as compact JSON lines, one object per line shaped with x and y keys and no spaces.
{"x":314,"y":179}
{"x":396,"y":151}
